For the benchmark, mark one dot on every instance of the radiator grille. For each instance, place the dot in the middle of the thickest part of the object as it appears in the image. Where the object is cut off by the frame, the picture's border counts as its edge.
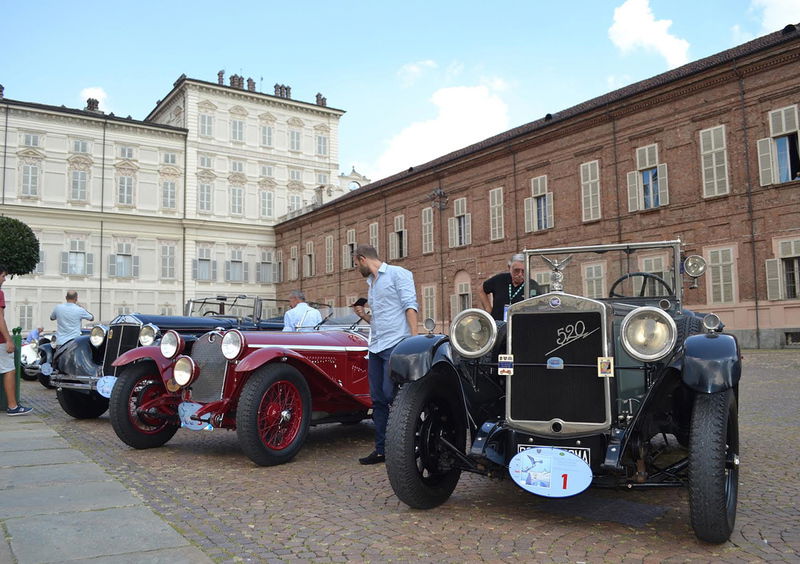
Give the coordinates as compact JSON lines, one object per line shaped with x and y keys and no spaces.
{"x":572,"y":394}
{"x":207,"y":354}
{"x":121,"y":338}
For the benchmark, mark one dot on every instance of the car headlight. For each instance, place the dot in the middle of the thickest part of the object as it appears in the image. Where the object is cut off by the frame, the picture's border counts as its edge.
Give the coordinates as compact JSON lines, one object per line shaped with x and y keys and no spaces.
{"x":147,"y":335}
{"x":232,"y":344}
{"x":694,"y":266}
{"x":98,"y":335}
{"x":648,"y":333}
{"x":183,"y":371}
{"x":170,"y":344}
{"x":473,"y":333}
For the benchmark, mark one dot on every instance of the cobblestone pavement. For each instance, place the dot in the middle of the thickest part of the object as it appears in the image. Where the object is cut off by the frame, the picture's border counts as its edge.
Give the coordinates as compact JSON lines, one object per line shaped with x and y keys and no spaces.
{"x":324,"y":506}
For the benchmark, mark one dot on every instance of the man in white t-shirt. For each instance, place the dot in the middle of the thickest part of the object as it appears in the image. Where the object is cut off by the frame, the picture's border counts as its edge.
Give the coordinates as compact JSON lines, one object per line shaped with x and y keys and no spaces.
{"x":302,"y":317}
{"x":68,"y":317}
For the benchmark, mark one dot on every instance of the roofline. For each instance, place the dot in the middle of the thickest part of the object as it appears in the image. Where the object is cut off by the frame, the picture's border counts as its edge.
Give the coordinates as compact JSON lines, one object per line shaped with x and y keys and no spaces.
{"x":216,"y":85}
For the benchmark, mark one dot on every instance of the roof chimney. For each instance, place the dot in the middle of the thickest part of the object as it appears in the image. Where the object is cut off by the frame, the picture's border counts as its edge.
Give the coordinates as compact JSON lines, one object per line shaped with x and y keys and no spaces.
{"x":1,"y":91}
{"x":92,"y":105}
{"x":321,"y":100}
{"x":221,"y":77}
{"x":251,"y":85}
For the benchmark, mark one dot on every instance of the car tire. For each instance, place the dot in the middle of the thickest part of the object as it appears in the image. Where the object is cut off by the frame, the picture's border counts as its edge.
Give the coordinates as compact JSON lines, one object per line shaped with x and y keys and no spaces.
{"x":714,"y":466}
{"x":422,"y":472}
{"x":273,"y":415}
{"x":81,"y":405}
{"x":44,"y":380}
{"x":137,"y":384}
{"x":29,"y":376}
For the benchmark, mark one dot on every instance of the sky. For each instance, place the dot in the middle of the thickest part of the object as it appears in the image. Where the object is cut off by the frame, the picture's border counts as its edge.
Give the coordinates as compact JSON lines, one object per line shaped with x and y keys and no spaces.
{"x":417,"y":79}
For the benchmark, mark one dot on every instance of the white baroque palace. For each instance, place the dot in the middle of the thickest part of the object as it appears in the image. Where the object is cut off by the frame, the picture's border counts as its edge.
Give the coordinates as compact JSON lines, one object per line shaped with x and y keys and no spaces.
{"x":143,"y":215}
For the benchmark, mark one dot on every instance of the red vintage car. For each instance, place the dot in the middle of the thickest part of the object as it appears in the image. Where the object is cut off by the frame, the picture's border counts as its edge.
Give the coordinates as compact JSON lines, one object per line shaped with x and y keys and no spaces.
{"x":268,"y":386}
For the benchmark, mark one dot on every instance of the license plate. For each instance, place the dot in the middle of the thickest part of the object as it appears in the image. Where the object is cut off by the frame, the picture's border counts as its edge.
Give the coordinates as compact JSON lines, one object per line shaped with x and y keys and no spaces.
{"x":583,"y":453}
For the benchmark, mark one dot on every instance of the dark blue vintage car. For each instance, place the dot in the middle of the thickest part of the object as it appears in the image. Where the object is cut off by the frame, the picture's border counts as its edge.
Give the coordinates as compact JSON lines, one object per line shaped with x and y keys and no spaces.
{"x":82,"y":370}
{"x":605,"y":380}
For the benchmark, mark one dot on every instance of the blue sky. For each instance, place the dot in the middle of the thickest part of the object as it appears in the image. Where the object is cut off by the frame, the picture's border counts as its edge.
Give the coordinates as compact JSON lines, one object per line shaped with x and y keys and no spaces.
{"x":418,"y":79}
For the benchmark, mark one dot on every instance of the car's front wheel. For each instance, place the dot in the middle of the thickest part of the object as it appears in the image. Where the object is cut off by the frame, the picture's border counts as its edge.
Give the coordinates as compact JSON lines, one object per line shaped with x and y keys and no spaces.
{"x":82,"y":405}
{"x":422,"y":470}
{"x":140,"y":413}
{"x":714,"y":466}
{"x":274,"y":414}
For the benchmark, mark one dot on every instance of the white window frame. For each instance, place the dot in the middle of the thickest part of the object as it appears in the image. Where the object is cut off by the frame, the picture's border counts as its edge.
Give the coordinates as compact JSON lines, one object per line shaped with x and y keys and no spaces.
{"x":348,"y":260}
{"x":236,"y":200}
{"x":721,"y":285}
{"x":787,"y":249}
{"x":30,"y":139}
{"x":427,"y":230}
{"x":459,"y":226}
{"x":126,"y":186}
{"x":309,"y":262}
{"x":123,"y":263}
{"x":237,"y":130}
{"x":168,"y":259}
{"x":295,"y":140}
{"x":496,"y":216}
{"x":293,"y":267}
{"x":237,"y":165}
{"x":398,"y":239}
{"x":236,"y":267}
{"x":591,"y":203}
{"x":783,"y":123}
{"x":205,"y":197}
{"x":266,"y":136}
{"x":205,"y":125}
{"x":76,"y":261}
{"x":80,"y":146}
{"x":714,"y":161}
{"x":126,"y":152}
{"x":205,"y":161}
{"x":266,"y":203}
{"x":329,"y":254}
{"x":429,"y":302}
{"x":374,"y":238}
{"x":169,"y":195}
{"x":170,"y":158}
{"x":265,"y":269}
{"x":79,"y":181}
{"x":30,"y":179}
{"x":322,"y":145}
{"x":294,"y":202}
{"x":646,"y":162}
{"x":205,"y":268}
{"x":594,"y":281}
{"x":540,"y":201}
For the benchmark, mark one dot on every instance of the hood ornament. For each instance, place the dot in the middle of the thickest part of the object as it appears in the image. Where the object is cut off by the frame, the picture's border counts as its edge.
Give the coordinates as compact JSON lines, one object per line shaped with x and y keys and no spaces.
{"x":557,"y":275}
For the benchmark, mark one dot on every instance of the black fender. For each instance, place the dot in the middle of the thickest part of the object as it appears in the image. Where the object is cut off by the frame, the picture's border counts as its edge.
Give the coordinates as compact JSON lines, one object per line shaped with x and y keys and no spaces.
{"x":711,"y":363}
{"x":76,"y":358}
{"x":414,"y":357}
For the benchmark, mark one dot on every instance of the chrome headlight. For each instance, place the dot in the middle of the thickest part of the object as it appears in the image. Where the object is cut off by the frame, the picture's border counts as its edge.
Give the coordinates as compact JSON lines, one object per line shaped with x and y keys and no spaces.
{"x":98,"y":335}
{"x":694,"y":266}
{"x":473,"y":333}
{"x":147,"y":334}
{"x":232,"y":344}
{"x":648,"y":334}
{"x":183,"y":372}
{"x":170,"y":344}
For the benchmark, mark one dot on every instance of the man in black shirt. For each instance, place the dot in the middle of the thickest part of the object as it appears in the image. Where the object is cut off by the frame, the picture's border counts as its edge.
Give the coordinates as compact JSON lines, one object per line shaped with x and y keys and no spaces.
{"x":506,"y":288}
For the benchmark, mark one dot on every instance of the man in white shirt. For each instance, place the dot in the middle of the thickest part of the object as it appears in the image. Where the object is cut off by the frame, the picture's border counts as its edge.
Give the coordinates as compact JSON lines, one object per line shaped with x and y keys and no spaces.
{"x":68,"y":317}
{"x":302,"y":317}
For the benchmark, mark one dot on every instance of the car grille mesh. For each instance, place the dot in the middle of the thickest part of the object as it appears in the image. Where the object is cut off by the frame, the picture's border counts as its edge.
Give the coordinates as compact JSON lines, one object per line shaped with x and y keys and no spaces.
{"x":572,"y":394}
{"x":211,"y":365}
{"x":120,"y":339}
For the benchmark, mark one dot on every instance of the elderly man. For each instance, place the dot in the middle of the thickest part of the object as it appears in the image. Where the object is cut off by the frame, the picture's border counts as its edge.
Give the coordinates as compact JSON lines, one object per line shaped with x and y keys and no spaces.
{"x":506,"y":288}
{"x":68,"y":317}
{"x":301,"y":316}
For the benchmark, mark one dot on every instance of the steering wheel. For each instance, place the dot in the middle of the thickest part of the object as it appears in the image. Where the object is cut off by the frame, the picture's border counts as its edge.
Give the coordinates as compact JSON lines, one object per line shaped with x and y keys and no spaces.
{"x":209,"y":312}
{"x":645,"y":275}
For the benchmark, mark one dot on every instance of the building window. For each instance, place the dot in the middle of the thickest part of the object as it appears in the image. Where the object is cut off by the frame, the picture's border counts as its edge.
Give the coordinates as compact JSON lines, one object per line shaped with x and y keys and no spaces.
{"x":170,"y":158}
{"x":374,"y":239}
{"x":266,"y":135}
{"x":329,"y":254}
{"x":204,"y":191}
{"x":125,"y":191}
{"x":266,"y":203}
{"x":203,"y":267}
{"x":30,"y":140}
{"x":168,"y":254}
{"x":206,"y":125}
{"x":427,"y":230}
{"x":539,"y":207}
{"x":322,"y":145}
{"x":125,"y":152}
{"x":166,"y":309}
{"x":714,"y":160}
{"x":295,"y":174}
{"x":293,"y":263}
{"x":398,"y":239}
{"x":123,"y":264}
{"x":720,"y":272}
{"x":461,"y":300}
{"x":348,"y":249}
{"x":459,"y":228}
{"x":496,"y":230}
{"x":590,"y":190}
{"x":25,"y":316}
{"x":168,"y":195}
{"x":295,"y":202}
{"x":267,"y":171}
{"x":783,"y":273}
{"x":236,"y":268}
{"x":76,"y":261}
{"x":542,"y":278}
{"x":237,"y":130}
{"x":647,"y":186}
{"x":594,"y":281}
{"x":80,"y":146}
{"x":265,"y":267}
{"x":124,"y":310}
{"x":294,"y":140}
{"x":205,"y":161}
{"x":30,"y":180}
{"x":429,"y":302}
{"x":278,"y":273}
{"x":323,"y":178}
{"x":309,"y":267}
{"x":778,"y":157}
{"x":78,"y":191}
{"x":237,"y":166}
{"x":237,"y":200}
{"x":653,"y":265}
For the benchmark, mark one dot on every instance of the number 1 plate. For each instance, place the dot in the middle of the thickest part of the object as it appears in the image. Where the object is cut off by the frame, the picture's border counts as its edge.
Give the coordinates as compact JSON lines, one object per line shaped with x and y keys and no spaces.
{"x":550,"y":472}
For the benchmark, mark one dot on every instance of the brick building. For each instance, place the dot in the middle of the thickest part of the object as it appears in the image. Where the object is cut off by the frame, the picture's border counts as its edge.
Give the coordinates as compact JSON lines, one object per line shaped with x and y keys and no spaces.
{"x":707,"y":152}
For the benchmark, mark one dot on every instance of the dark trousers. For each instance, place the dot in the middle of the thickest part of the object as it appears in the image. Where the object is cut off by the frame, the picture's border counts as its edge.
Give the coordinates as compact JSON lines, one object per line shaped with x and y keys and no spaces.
{"x":382,"y":391}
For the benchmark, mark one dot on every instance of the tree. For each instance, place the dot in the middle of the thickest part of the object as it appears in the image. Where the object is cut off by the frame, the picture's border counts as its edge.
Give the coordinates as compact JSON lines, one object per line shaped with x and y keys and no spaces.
{"x":19,"y":247}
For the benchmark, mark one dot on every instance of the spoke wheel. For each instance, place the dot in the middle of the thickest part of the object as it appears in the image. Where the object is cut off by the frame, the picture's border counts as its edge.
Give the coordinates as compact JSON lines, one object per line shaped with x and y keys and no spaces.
{"x":137,"y":385}
{"x":422,"y":471}
{"x":714,"y":466}
{"x":274,"y":414}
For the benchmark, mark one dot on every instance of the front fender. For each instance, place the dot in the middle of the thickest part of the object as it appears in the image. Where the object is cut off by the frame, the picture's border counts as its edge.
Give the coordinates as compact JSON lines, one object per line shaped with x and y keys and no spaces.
{"x":76,"y":358}
{"x":711,"y":363}
{"x":413,"y":357}
{"x":260,"y":357}
{"x":152,"y":353}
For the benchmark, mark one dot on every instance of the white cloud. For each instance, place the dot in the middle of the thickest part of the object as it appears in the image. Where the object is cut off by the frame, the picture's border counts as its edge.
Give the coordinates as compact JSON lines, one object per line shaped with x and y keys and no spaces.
{"x":739,"y":36}
{"x":411,"y":72}
{"x":776,"y":14}
{"x":466,"y":115}
{"x":98,"y":94}
{"x":635,"y":27}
